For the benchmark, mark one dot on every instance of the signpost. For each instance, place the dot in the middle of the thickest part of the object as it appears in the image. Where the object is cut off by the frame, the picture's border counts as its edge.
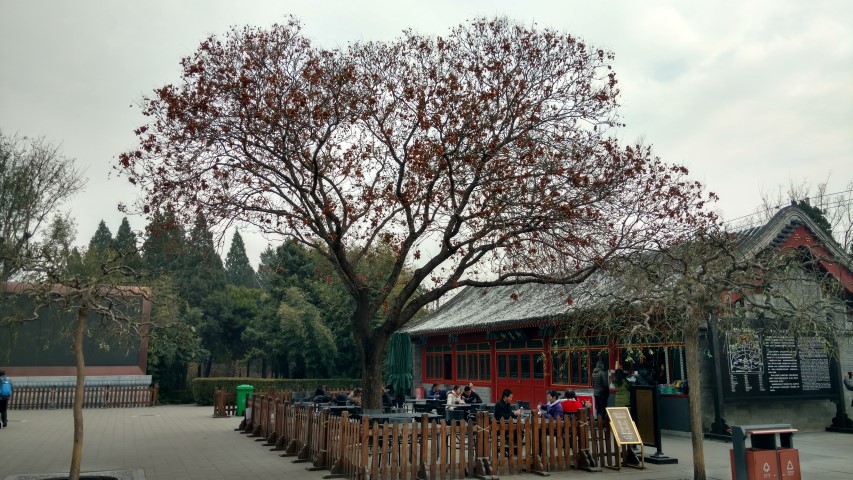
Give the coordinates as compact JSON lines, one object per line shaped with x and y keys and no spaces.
{"x":626,"y":434}
{"x":646,"y":412}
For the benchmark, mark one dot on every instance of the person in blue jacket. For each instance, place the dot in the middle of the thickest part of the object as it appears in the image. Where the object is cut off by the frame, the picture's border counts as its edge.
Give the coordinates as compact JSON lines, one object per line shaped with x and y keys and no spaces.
{"x":553,"y":409}
{"x":434,"y":393}
{"x":5,"y":395}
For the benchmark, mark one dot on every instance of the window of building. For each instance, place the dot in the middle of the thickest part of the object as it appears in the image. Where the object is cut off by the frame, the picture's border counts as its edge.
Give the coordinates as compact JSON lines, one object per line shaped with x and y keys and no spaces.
{"x":572,"y":359}
{"x":473,"y":362}
{"x":663,"y":357}
{"x":438,"y":362}
{"x":523,"y":365}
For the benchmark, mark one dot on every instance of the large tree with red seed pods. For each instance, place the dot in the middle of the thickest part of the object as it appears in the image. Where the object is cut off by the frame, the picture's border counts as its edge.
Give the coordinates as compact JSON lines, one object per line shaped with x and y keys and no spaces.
{"x":484,"y":157}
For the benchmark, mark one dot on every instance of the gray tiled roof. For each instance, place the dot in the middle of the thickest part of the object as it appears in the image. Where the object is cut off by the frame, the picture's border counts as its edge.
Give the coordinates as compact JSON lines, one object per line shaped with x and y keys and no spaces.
{"x":476,"y":308}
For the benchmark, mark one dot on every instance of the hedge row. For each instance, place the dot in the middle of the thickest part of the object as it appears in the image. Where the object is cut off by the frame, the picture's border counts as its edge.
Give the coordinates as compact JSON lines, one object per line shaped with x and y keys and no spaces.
{"x":203,"y":388}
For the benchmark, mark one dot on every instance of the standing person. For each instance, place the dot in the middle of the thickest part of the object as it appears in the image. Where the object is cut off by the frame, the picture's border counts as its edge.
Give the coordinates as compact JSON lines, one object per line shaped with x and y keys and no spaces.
{"x":662,"y":380}
{"x":600,"y":388}
{"x":620,"y":381}
{"x":470,"y":395}
{"x":645,"y":377}
{"x":553,"y":409}
{"x":848,"y":383}
{"x":503,"y":409}
{"x":5,"y":395}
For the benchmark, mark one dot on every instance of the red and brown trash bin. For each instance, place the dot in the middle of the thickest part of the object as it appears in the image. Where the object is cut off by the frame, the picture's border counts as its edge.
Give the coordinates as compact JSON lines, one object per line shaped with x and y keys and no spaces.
{"x":770,"y":456}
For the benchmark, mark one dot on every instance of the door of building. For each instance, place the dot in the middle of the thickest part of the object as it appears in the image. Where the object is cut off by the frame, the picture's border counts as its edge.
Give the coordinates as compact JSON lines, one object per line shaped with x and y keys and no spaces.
{"x":523,"y":373}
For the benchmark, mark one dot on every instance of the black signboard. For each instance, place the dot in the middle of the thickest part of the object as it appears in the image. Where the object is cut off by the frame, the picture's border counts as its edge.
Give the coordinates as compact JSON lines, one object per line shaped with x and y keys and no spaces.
{"x":764,"y":365}
{"x":46,"y":341}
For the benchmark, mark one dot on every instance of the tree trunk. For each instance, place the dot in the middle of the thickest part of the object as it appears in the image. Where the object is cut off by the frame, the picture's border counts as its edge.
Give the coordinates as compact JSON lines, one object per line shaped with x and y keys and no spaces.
{"x":372,"y":354}
{"x":77,"y":451}
{"x":691,"y":350}
{"x":208,"y":366}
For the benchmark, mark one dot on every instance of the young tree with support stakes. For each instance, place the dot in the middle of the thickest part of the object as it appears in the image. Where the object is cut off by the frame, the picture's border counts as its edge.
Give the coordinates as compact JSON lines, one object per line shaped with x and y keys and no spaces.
{"x":482,"y":157}
{"x":46,"y":283}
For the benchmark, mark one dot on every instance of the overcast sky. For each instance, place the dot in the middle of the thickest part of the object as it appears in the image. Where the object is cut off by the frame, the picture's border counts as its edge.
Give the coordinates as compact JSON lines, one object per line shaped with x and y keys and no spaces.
{"x":748,"y":95}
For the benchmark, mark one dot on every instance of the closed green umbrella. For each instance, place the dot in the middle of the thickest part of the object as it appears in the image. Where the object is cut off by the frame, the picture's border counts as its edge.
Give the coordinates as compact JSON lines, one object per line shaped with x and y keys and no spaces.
{"x":400,"y":365}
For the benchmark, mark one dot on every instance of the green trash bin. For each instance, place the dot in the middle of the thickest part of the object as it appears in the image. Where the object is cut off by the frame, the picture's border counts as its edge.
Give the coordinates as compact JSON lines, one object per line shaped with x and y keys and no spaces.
{"x":243,"y":392}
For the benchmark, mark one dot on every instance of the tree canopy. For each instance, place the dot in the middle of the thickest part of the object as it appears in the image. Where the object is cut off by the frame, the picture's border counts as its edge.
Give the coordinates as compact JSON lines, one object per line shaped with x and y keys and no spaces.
{"x":482,"y":157}
{"x":35,"y":180}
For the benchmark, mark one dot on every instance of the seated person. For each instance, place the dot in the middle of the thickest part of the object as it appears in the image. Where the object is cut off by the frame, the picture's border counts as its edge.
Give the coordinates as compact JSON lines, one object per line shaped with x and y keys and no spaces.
{"x":320,"y":396}
{"x":570,"y":403}
{"x":386,"y":396}
{"x":434,"y":393}
{"x":470,"y":396}
{"x":455,"y":397}
{"x":552,"y":409}
{"x":503,"y":409}
{"x":355,"y":397}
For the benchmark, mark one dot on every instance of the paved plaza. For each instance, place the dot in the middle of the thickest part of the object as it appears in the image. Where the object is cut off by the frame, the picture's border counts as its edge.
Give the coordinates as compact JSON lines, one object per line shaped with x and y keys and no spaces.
{"x":185,"y":442}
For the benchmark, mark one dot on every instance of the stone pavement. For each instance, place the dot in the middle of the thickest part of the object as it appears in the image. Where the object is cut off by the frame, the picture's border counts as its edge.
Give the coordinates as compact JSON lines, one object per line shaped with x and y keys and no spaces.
{"x":185,"y":442}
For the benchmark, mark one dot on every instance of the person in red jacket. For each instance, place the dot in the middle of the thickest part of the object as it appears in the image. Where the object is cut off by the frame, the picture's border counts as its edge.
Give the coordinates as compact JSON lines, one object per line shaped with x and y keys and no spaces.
{"x":570,"y":403}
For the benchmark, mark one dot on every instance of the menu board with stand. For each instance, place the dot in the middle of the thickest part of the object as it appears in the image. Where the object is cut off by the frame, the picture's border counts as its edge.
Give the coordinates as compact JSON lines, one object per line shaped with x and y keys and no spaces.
{"x":625,"y":433}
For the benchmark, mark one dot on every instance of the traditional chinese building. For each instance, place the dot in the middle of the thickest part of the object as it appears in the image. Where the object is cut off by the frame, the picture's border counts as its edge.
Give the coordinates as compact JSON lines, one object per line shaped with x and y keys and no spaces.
{"x":504,"y":337}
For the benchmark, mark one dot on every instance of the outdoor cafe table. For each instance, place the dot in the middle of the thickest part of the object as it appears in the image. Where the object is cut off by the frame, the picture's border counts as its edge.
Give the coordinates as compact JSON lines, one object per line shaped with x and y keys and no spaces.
{"x":402,"y":417}
{"x":337,"y":410}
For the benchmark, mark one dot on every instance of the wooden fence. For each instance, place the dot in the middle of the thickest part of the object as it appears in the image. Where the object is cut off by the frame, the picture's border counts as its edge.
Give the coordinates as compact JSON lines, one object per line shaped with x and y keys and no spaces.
{"x":49,"y":397}
{"x":359,"y":449}
{"x":225,"y":402}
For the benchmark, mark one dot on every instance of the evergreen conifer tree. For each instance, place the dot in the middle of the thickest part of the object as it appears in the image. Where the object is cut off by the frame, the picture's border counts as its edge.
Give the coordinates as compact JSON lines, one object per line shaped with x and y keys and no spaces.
{"x":102,"y":240}
{"x":164,"y":245}
{"x":125,"y":245}
{"x":238,"y":270}
{"x":203,"y":273}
